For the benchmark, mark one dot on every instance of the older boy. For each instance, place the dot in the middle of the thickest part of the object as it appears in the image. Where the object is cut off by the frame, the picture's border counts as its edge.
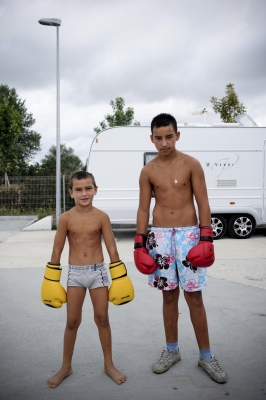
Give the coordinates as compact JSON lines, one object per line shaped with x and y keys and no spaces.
{"x":175,"y":179}
{"x":84,"y":226}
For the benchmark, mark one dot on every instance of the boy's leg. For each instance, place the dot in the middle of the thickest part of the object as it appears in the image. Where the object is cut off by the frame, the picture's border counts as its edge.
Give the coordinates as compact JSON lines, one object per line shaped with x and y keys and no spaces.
{"x":99,"y":298}
{"x":198,"y":318}
{"x":192,"y":281}
{"x":170,"y":318}
{"x":170,"y":314}
{"x":199,"y":321}
{"x":161,"y":246}
{"x":75,"y":299}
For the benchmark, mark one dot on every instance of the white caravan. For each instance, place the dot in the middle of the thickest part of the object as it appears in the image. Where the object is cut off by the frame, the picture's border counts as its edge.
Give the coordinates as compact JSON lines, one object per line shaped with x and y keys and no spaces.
{"x":233,"y":159}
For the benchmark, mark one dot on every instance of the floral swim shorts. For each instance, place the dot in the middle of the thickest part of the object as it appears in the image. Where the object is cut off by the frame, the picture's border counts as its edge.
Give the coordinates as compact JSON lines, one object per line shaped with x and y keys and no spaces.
{"x":169,"y":247}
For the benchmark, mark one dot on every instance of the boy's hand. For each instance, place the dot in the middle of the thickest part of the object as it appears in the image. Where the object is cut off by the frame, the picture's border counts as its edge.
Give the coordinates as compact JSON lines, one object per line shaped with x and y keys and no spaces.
{"x":121,"y":290}
{"x":202,"y":255}
{"x":52,"y":293}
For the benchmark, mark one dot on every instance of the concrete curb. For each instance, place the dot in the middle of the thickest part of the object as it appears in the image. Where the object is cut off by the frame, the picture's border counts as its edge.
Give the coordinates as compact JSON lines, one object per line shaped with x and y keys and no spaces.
{"x":19,"y":217}
{"x":44,"y":224}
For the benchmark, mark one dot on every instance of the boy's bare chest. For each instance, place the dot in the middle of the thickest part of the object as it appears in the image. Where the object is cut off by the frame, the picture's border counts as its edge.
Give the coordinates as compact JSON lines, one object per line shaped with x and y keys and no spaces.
{"x":163,"y":174}
{"x":178,"y":181}
{"x":83,"y":228}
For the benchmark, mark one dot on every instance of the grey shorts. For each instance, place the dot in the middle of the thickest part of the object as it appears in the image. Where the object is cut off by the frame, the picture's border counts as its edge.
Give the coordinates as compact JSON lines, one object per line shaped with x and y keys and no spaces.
{"x":88,"y":276}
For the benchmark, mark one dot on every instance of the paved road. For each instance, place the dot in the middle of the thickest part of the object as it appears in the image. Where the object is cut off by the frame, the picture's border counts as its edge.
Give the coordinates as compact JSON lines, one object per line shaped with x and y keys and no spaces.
{"x":11,"y":225}
{"x":32,"y":334}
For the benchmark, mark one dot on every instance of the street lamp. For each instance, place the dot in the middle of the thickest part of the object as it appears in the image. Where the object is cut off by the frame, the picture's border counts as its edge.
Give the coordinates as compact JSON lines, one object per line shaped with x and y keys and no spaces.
{"x":56,"y":22}
{"x":200,"y":112}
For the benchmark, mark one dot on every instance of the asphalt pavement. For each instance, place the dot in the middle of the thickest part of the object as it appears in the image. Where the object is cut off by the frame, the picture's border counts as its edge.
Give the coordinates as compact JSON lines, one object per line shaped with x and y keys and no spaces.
{"x":9,"y":226}
{"x":31,"y":339}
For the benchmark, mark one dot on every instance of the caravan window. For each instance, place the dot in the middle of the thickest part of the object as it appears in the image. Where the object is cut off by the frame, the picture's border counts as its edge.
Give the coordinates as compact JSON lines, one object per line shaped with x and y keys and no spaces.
{"x":149,"y":156}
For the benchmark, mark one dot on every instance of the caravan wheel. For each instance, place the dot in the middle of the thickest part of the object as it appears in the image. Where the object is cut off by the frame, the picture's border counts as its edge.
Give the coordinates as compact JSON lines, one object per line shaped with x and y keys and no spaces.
{"x":241,"y":226}
{"x":218,"y":225}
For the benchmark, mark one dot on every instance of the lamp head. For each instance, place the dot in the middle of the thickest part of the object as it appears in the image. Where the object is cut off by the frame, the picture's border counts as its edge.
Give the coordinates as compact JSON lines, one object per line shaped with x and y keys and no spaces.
{"x":50,"y":21}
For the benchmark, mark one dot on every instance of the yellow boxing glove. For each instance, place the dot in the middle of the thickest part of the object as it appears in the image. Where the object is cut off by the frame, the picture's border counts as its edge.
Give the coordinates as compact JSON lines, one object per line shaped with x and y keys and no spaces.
{"x":121,"y":290}
{"x":53,"y":294}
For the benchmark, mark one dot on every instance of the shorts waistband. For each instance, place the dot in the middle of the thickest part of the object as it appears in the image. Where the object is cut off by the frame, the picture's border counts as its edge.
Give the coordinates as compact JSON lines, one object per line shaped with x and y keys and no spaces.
{"x":92,"y":267}
{"x":179,"y":228}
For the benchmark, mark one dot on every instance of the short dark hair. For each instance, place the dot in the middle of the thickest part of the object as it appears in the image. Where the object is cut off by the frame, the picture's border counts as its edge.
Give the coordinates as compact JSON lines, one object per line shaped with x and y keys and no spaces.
{"x":163,"y":120}
{"x":81,"y":175}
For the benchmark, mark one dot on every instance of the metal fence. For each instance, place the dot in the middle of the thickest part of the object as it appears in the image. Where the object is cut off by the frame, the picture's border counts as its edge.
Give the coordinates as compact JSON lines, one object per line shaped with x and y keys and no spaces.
{"x":30,"y":194}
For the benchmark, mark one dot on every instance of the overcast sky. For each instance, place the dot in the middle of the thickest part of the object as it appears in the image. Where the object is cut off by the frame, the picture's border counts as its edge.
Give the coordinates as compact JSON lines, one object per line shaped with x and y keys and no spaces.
{"x":159,"y":55}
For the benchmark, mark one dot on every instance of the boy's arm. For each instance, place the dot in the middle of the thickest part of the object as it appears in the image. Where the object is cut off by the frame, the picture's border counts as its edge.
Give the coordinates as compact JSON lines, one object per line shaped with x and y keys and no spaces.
{"x":121,"y":290}
{"x":109,"y":238}
{"x":143,"y":261}
{"x":52,"y":293}
{"x":59,"y":240}
{"x":200,"y":193}
{"x":202,"y":255}
{"x":144,"y":202}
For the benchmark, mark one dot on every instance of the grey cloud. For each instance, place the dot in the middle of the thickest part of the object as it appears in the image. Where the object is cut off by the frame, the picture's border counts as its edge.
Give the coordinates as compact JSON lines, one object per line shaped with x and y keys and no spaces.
{"x":147,"y":51}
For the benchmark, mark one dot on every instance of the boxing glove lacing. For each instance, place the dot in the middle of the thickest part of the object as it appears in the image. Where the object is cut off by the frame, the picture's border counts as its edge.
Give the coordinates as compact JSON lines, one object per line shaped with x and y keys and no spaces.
{"x":206,"y":238}
{"x":52,"y":280}
{"x":114,"y":266}
{"x":140,"y":243}
{"x":55,"y":268}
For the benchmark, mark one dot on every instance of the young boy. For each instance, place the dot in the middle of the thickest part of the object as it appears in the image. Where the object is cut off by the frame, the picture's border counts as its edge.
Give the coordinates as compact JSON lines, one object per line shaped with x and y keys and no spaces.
{"x":84,"y":226}
{"x":175,"y":179}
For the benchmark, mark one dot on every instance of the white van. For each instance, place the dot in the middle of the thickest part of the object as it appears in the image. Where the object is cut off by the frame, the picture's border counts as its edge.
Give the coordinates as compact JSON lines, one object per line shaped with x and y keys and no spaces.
{"x":233,"y":159}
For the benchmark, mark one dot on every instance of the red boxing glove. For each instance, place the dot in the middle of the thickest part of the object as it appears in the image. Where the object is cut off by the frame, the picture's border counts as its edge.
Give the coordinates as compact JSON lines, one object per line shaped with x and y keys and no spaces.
{"x":202,"y":255}
{"x":143,"y":261}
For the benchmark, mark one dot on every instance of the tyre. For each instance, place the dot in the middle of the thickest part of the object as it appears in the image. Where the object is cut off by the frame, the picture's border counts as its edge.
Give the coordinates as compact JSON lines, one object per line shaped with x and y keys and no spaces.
{"x":241,"y":226}
{"x":218,"y":224}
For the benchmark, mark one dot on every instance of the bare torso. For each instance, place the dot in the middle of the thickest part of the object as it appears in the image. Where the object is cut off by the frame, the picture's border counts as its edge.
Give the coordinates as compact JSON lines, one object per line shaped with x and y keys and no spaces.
{"x":84,"y":233}
{"x":174,"y":205}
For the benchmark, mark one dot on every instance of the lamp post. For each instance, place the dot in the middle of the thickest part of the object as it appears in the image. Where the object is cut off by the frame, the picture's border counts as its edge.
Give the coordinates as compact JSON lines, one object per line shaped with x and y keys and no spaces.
{"x":56,"y":22}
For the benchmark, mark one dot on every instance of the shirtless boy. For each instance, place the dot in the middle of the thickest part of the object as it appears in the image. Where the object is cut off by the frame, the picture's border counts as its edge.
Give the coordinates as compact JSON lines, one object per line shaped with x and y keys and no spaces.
{"x":175,"y":179}
{"x":84,"y":226}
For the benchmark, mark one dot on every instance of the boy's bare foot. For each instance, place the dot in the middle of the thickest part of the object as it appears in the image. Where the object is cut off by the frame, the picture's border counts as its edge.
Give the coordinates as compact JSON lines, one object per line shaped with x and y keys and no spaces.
{"x":117,"y":376}
{"x":55,"y":380}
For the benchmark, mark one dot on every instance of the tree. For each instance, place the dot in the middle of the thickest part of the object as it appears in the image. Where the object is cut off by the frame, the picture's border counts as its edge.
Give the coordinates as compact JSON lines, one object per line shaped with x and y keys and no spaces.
{"x":120,"y":117}
{"x":34,"y":170}
{"x":10,"y":126}
{"x":21,"y":143}
{"x":70,"y":163}
{"x":229,"y":106}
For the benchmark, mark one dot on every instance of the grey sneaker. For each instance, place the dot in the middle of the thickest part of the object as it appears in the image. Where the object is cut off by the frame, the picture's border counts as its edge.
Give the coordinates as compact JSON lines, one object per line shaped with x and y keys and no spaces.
{"x":213,"y":368}
{"x":167,"y":359}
